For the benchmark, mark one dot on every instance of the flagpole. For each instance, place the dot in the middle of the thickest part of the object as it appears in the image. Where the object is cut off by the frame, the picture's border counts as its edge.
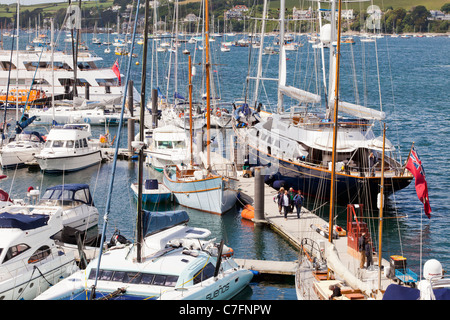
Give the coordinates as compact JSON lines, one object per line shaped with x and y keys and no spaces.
{"x":407,"y":159}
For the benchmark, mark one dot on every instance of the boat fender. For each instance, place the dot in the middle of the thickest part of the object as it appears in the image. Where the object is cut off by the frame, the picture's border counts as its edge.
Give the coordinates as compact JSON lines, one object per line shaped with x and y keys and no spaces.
{"x":277,"y":184}
{"x":255,"y":273}
{"x":227,"y":251}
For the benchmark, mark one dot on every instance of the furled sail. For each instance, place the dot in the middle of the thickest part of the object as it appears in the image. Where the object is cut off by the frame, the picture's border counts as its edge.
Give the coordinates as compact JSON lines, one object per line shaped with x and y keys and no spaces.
{"x":360,"y":111}
{"x":299,"y":94}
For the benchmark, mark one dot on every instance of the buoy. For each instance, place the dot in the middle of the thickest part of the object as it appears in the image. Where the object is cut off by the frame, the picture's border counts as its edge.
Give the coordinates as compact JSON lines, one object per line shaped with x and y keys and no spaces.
{"x":227,"y":251}
{"x":248,"y":212}
{"x":137,"y":63}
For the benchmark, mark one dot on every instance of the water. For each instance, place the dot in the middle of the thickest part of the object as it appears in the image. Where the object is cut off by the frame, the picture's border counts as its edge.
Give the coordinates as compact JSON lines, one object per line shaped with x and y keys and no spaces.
{"x":415,"y":97}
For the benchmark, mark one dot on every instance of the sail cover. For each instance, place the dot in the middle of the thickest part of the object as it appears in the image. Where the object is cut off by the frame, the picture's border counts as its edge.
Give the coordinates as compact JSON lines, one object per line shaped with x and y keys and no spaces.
{"x":154,"y":222}
{"x":360,"y":111}
{"x":22,"y":221}
{"x":298,"y":94}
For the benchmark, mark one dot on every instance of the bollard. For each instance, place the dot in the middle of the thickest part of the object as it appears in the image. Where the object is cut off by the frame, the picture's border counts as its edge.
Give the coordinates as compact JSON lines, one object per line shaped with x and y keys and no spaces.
{"x":130,"y":134}
{"x":154,"y":108}
{"x":130,"y":97}
{"x":86,"y":91}
{"x":259,"y":196}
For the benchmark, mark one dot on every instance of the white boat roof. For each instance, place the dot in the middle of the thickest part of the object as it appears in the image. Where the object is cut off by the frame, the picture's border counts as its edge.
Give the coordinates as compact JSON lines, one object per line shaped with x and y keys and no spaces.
{"x":69,"y":132}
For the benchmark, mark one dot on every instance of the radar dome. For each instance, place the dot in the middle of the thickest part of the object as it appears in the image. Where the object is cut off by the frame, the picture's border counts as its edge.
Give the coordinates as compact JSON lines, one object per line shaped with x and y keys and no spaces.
{"x":432,"y":268}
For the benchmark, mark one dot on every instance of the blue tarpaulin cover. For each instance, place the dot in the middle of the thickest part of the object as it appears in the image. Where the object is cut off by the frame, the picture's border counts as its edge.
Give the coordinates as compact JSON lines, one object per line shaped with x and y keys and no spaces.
{"x":398,"y":292}
{"x":22,"y":221}
{"x":156,"y":221}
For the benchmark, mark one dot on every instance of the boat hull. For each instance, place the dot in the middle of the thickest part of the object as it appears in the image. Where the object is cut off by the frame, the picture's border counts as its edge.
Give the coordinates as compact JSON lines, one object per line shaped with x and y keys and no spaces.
{"x":28,"y":285}
{"x":18,"y":157}
{"x":68,"y":163}
{"x":316,"y":182}
{"x":208,"y":195}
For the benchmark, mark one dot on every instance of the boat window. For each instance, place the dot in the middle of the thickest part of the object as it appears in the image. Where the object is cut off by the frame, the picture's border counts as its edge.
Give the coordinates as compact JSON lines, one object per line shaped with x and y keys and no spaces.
{"x":69,"y":81}
{"x":179,"y":144}
{"x":159,"y":280}
{"x":40,"y":254}
{"x":147,"y":278}
{"x":132,"y":277}
{"x":106,"y":82}
{"x":164,"y":144}
{"x":58,"y":144}
{"x":171,"y":281}
{"x":5,"y":65}
{"x":106,"y":275}
{"x":14,"y":251}
{"x":85,"y":144}
{"x":118,"y":276}
{"x":69,"y":144}
{"x":81,"y":195}
{"x":205,"y":273}
{"x":77,"y":144}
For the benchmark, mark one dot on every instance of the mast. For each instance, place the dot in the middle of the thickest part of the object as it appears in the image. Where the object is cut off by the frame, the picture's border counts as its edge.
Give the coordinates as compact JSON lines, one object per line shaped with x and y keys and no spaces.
{"x":208,"y":97}
{"x":190,"y":112}
{"x":139,"y":227}
{"x":380,"y":227}
{"x":282,"y":57}
{"x":259,"y":73}
{"x":335,"y":126}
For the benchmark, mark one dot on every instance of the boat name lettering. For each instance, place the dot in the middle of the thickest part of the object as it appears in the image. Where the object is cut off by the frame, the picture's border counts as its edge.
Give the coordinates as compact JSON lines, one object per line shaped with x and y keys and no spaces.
{"x":218,"y":292}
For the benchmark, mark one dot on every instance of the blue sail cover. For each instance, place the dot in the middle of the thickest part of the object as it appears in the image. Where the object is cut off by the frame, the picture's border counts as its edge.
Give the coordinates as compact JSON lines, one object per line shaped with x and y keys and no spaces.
{"x":22,"y":221}
{"x":154,"y":221}
{"x":398,"y":292}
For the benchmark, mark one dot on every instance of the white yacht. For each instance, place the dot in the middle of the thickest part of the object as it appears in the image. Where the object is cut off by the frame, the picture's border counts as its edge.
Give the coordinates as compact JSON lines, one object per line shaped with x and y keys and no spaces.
{"x":79,"y":212}
{"x":68,"y":148}
{"x":177,"y":263}
{"x":169,"y":146}
{"x":35,"y":67}
{"x":21,"y":150}
{"x":30,"y":260}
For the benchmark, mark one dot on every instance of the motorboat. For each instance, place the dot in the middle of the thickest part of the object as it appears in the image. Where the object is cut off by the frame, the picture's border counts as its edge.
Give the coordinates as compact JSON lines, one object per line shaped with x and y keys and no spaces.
{"x":21,"y":150}
{"x":176,"y":263}
{"x":31,"y":261}
{"x":69,"y":148}
{"x":79,"y":212}
{"x":169,"y":146}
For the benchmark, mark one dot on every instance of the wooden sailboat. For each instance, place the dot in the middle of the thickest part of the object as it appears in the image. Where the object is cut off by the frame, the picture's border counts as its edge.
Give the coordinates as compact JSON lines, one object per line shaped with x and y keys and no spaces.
{"x":196,"y":186}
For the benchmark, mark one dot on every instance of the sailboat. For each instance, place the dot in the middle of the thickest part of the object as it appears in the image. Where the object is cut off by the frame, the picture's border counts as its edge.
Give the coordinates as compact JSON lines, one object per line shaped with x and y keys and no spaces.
{"x":172,"y":261}
{"x":297,"y":142}
{"x":196,"y":186}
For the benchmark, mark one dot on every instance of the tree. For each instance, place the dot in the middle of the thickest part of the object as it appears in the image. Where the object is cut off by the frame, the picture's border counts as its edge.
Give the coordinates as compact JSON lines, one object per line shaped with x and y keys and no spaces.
{"x":419,"y":17}
{"x":446,"y":7}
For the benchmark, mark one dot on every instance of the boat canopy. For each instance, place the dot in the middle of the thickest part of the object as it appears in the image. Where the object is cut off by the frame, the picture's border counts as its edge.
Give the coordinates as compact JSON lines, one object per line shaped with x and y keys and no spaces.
{"x":154,"y":222}
{"x":69,"y":192}
{"x":22,"y":221}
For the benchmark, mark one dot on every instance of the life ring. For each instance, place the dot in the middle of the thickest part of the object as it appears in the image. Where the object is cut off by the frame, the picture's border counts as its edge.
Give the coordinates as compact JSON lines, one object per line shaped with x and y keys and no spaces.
{"x":181,"y":115}
{"x":218,"y":113}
